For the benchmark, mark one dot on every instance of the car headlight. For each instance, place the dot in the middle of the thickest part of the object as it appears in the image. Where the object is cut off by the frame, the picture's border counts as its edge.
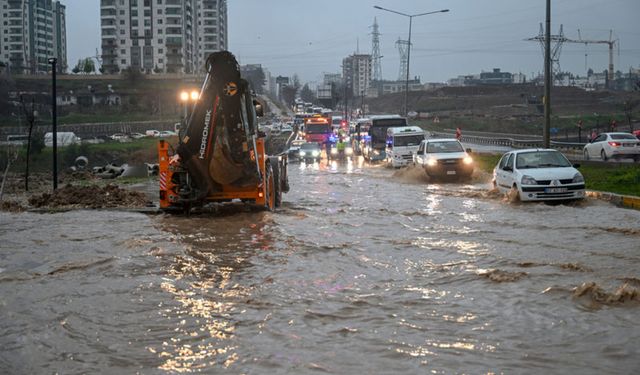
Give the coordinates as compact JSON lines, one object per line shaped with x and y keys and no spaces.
{"x":528,"y":180}
{"x":376,"y":152}
{"x":577,"y":178}
{"x":467,"y":160}
{"x":334,"y":151}
{"x":302,"y":153}
{"x":348,"y":151}
{"x":432,"y":162}
{"x":315,"y":153}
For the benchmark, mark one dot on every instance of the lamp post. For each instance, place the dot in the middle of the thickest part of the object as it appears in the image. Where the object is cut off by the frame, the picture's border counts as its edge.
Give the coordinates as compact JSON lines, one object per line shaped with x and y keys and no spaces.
{"x":410,"y":16}
{"x":54,"y":121}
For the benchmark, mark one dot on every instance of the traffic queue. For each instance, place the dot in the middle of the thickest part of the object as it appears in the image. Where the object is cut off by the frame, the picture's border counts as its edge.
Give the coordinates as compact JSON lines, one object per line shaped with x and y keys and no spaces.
{"x":535,"y":174}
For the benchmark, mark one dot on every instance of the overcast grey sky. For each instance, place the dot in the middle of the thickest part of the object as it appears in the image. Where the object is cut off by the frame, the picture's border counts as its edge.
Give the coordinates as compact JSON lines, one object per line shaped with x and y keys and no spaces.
{"x":310,"y":37}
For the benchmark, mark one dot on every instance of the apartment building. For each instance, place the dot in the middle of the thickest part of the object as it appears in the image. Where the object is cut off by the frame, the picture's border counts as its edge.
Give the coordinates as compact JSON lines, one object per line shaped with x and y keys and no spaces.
{"x":356,"y":70}
{"x":32,"y":32}
{"x":161,"y":36}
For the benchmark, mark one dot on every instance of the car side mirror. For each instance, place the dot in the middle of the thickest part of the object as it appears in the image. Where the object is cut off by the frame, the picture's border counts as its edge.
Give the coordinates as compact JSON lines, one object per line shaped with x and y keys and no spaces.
{"x":507,"y":168}
{"x":469,"y":151}
{"x":576,"y":165}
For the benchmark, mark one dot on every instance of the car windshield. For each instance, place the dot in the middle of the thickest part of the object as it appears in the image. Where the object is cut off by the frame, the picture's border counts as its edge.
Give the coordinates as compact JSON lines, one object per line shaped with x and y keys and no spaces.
{"x":317,"y":128}
{"x":309,"y":147}
{"x":407,"y":140}
{"x":622,"y":136}
{"x":445,"y":146}
{"x":541,"y":159}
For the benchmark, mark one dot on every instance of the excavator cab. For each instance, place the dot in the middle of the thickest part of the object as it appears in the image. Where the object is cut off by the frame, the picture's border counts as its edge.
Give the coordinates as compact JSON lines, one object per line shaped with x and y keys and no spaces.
{"x":221,"y":155}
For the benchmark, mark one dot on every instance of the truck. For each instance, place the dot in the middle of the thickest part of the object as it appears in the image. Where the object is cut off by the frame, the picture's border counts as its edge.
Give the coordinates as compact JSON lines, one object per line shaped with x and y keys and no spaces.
{"x":221,"y":155}
{"x":402,"y":144}
{"x":318,"y":129}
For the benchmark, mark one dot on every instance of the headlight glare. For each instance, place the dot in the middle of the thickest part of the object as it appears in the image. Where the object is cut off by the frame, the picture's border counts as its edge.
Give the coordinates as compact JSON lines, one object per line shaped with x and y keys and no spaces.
{"x":432,"y":162}
{"x":467,"y":160}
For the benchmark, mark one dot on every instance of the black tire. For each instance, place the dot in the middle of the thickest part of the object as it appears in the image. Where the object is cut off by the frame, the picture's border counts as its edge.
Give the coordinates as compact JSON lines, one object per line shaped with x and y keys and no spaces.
{"x":270,"y":194}
{"x":603,"y":155}
{"x":277,"y":177}
{"x":586,"y":155}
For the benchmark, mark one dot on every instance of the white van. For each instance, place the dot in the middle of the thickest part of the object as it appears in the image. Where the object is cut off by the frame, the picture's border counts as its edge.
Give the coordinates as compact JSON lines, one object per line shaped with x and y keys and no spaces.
{"x":63,"y":139}
{"x":402,"y":143}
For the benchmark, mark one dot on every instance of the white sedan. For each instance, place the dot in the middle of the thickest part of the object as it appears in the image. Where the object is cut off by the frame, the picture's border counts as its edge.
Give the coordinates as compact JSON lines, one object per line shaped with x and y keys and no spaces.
{"x":613,"y":145}
{"x":538,"y":175}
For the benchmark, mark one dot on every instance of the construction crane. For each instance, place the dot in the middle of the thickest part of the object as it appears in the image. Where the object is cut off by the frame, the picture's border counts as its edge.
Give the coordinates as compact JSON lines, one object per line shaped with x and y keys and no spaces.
{"x":611,"y":43}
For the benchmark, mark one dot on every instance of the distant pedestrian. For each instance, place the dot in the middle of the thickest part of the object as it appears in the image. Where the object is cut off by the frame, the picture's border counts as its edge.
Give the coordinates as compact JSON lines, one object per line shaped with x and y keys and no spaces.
{"x":614,"y":125}
{"x":458,"y":133}
{"x":593,"y":135}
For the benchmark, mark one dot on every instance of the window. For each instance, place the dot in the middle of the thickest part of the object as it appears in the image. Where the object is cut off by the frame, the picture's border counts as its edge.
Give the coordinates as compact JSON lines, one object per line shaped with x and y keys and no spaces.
{"x":160,"y":50}
{"x":123,"y":62}
{"x":122,"y":32}
{"x":160,"y":41}
{"x":159,"y":11}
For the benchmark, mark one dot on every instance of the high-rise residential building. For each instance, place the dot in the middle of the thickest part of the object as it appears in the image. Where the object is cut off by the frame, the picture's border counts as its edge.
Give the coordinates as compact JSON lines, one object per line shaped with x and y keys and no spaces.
{"x":32,"y":32}
{"x":161,"y":36}
{"x":356,"y":70}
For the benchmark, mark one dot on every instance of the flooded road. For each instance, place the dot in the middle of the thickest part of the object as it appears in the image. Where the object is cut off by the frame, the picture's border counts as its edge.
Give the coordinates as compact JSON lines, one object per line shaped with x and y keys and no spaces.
{"x":363,"y":270}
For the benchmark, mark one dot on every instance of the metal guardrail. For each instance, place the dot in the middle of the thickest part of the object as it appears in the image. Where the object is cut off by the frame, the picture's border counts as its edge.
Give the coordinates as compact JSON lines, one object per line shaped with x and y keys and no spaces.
{"x":511,"y":142}
{"x":94,"y":129}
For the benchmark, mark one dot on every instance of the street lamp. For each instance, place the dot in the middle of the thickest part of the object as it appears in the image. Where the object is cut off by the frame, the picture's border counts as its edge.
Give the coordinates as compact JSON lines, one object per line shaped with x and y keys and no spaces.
{"x":410,"y":16}
{"x":54,"y":120}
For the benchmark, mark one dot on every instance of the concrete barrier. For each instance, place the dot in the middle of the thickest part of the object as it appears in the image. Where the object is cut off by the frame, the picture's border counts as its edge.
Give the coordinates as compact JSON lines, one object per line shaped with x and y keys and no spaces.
{"x":626,"y":201}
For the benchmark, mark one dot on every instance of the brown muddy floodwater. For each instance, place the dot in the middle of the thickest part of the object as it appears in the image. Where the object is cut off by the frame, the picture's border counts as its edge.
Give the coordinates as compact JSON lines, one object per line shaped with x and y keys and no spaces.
{"x":363,"y":271}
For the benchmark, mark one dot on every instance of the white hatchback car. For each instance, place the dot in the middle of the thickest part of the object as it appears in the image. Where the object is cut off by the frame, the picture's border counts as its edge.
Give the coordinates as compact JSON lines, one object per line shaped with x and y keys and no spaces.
{"x":613,"y":145}
{"x":538,"y":175}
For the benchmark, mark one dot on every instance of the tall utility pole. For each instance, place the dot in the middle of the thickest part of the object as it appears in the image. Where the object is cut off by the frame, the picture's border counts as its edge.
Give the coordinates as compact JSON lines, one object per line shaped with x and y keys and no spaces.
{"x":410,"y":16}
{"x":403,"y":50}
{"x":547,"y":78}
{"x":558,"y":40}
{"x":375,"y":52}
{"x":54,"y":121}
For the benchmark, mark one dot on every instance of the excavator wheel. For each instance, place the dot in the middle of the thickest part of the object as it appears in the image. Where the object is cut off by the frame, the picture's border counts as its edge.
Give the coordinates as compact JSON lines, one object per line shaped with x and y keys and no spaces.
{"x":270,"y":203}
{"x":277,"y":176}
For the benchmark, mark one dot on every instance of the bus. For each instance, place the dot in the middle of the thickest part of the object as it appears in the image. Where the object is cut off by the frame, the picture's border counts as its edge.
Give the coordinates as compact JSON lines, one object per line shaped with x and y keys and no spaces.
{"x":375,"y":140}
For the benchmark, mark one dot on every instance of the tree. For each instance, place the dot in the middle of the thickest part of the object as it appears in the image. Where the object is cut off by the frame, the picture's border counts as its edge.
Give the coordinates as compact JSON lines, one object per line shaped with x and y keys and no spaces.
{"x":133,"y":75}
{"x":289,"y":94}
{"x":296,"y":82}
{"x":89,"y":66}
{"x":79,"y":67}
{"x":307,"y":94}
{"x":256,"y":78}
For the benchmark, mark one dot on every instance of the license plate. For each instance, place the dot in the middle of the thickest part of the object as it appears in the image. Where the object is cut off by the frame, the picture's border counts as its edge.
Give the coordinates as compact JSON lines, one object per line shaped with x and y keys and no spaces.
{"x":451,"y":172}
{"x":555,"y":190}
